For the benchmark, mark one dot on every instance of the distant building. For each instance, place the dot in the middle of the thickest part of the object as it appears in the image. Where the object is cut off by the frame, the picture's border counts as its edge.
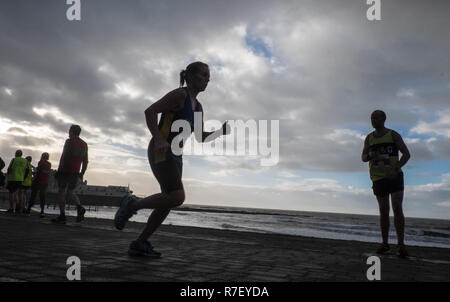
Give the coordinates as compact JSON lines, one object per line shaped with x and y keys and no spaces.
{"x":85,"y":189}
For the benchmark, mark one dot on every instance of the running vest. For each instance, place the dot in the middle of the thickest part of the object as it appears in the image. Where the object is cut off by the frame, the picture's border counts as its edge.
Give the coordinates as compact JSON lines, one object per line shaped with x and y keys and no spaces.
{"x":27,"y":181}
{"x":165,"y":125}
{"x":76,"y":152}
{"x":388,"y":155}
{"x":17,"y":169}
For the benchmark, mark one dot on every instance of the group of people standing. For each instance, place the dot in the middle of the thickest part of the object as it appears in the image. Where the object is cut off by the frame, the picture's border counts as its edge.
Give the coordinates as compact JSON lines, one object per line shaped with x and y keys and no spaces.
{"x":22,"y":177}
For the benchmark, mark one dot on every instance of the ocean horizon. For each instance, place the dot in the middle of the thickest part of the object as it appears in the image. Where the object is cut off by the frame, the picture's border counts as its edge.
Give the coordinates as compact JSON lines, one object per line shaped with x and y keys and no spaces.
{"x":426,"y":232}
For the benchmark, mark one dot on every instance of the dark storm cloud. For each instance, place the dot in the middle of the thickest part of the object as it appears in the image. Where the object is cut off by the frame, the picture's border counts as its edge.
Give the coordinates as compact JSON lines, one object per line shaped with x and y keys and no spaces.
{"x":336,"y":67}
{"x":47,"y":53}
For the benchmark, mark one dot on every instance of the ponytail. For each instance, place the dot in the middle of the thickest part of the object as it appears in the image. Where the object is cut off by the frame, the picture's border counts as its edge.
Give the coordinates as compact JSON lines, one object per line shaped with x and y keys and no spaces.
{"x":182,"y":77}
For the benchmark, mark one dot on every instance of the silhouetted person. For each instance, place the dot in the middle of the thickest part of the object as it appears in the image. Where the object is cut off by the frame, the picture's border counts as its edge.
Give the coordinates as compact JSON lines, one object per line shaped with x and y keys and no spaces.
{"x":26,"y":185}
{"x":17,"y":171}
{"x":179,"y":104}
{"x":381,"y":150}
{"x":2,"y":177}
{"x":74,"y":157}
{"x":40,"y":182}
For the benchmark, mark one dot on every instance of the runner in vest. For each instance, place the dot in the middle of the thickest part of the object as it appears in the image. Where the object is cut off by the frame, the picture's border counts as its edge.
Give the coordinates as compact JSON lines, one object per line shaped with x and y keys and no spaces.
{"x":26,"y":185}
{"x":381,"y":150}
{"x":17,"y":170}
{"x":74,"y":157}
{"x":40,"y":182}
{"x":167,"y":164}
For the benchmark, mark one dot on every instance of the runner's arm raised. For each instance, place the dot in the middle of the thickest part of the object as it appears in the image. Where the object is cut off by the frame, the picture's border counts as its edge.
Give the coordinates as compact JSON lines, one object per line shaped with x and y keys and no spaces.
{"x":210,"y":136}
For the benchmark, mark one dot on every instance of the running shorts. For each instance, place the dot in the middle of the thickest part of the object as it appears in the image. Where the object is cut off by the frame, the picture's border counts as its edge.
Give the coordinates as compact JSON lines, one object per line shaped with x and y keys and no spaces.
{"x":168,"y":172}
{"x":69,"y":180}
{"x":386,"y":186}
{"x":13,"y":186}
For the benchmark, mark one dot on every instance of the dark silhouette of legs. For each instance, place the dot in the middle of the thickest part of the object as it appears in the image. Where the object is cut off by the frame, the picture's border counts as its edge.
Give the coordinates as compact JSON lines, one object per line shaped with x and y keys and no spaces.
{"x":161,"y":204}
{"x":383,"y":203}
{"x":399,"y":218}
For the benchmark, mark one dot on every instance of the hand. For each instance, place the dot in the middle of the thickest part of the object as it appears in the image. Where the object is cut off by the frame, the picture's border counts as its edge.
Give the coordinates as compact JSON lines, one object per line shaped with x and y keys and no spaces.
{"x":161,"y":145}
{"x":226,"y":129}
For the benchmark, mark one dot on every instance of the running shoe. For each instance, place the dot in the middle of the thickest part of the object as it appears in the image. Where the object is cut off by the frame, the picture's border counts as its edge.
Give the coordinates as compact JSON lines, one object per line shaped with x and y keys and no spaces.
{"x":124,"y":213}
{"x":402,"y":252}
{"x":80,"y":214}
{"x":143,"y":248}
{"x":59,"y":220}
{"x":383,"y":248}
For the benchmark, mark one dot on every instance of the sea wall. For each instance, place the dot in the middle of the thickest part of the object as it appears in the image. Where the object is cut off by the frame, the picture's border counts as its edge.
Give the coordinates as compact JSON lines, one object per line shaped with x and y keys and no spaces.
{"x":88,"y":200}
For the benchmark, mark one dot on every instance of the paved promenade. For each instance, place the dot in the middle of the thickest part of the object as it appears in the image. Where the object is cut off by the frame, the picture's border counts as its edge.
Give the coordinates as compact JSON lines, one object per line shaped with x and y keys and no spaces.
{"x":33,"y":249}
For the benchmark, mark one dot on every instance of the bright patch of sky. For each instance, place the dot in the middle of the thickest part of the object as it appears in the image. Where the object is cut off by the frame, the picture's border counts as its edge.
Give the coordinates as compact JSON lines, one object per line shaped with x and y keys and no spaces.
{"x":258,"y":46}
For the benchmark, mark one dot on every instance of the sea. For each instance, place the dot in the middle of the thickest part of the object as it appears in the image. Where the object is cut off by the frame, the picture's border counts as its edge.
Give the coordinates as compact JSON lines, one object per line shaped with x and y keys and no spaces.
{"x":418,"y":231}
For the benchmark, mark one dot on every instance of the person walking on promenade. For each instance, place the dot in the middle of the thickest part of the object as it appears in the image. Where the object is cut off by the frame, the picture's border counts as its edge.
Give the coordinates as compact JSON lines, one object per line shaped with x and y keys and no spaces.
{"x":40,"y":183}
{"x":179,"y":104}
{"x":26,"y":186}
{"x":381,"y":148}
{"x":73,"y":157}
{"x":2,"y":177}
{"x":17,"y":171}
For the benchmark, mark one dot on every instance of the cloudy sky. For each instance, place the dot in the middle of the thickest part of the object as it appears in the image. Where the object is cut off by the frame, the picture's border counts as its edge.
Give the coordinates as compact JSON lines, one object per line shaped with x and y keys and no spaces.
{"x":318,"y":67}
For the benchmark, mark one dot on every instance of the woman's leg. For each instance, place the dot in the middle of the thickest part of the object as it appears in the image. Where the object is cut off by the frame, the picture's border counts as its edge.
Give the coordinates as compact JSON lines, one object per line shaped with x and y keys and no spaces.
{"x":168,"y":174}
{"x":154,"y":221}
{"x":160,"y":201}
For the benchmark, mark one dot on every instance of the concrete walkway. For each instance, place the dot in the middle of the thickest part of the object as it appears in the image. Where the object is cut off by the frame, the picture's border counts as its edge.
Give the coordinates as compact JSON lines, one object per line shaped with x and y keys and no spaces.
{"x":33,"y":249}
